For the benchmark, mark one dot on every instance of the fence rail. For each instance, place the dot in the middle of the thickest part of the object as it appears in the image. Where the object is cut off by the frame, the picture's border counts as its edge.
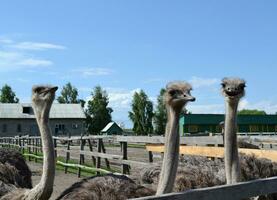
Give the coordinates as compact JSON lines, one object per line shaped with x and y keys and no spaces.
{"x":31,"y":147}
{"x":227,"y":192}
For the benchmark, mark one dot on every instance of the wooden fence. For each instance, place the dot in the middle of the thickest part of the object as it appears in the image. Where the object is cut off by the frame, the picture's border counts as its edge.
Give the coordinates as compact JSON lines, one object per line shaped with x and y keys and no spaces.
{"x":31,"y":147}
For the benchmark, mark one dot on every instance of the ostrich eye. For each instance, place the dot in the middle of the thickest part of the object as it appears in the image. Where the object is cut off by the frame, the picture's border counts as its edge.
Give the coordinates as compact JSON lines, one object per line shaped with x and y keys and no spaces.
{"x":242,"y":86}
{"x":38,"y":89}
{"x":173,"y":92}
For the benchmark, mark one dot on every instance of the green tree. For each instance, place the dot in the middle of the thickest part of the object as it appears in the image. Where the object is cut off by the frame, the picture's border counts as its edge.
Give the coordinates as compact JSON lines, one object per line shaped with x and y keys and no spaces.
{"x":7,"y":95}
{"x":160,"y":116}
{"x":98,"y":112}
{"x":142,"y":114}
{"x":69,"y":94}
{"x":251,"y":112}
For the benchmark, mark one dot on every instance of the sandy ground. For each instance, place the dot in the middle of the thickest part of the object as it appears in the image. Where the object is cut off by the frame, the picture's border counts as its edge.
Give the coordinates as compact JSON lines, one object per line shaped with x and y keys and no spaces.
{"x":62,"y":180}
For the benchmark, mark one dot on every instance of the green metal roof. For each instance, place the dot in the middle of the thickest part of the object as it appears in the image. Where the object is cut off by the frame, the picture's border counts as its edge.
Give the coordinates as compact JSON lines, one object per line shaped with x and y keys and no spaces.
{"x":217,"y":118}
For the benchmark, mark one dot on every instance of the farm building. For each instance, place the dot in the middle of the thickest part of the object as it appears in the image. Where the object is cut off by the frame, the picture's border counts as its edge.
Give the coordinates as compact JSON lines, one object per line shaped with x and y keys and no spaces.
{"x":19,"y":119}
{"x":201,"y":123}
{"x":112,"y":128}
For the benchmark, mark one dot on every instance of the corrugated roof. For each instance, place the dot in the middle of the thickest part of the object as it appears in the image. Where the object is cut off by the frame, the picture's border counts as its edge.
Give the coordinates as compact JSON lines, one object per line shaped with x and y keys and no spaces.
{"x":58,"y":111}
{"x":217,"y":118}
{"x":106,"y":128}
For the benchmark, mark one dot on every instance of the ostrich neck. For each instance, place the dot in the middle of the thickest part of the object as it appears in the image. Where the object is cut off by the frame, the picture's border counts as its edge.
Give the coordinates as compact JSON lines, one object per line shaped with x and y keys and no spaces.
{"x":230,"y":142}
{"x":44,"y":188}
{"x":171,"y":153}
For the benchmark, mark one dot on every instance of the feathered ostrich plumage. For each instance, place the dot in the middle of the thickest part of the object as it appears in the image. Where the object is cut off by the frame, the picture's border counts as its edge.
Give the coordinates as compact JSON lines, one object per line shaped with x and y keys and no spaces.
{"x":12,"y":157}
{"x":233,"y":91}
{"x":117,"y":187}
{"x":200,"y":172}
{"x":14,"y":172}
{"x":42,"y":99}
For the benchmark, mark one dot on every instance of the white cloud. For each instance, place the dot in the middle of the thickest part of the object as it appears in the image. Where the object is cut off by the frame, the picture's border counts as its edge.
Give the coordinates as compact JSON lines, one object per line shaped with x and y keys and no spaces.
{"x":206,"y":109}
{"x":35,"y":62}
{"x":268,"y":106}
{"x":6,"y":41}
{"x":198,"y":82}
{"x":120,"y":98}
{"x":17,"y":60}
{"x":36,"y":46}
{"x":94,"y":71}
{"x":153,"y":80}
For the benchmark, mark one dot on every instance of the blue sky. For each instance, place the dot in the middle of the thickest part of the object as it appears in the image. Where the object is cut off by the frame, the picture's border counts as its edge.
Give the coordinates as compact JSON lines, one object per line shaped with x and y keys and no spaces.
{"x":125,"y":46}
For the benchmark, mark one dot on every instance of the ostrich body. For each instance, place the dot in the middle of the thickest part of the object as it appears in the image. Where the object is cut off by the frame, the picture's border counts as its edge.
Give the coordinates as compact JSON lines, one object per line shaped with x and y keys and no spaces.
{"x":233,"y":91}
{"x":42,"y":99}
{"x":119,"y":187}
{"x":15,"y":160}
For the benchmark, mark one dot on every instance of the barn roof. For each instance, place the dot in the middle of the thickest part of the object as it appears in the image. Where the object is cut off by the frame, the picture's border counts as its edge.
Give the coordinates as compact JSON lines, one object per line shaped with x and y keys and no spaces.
{"x":109,"y":125}
{"x":24,"y":111}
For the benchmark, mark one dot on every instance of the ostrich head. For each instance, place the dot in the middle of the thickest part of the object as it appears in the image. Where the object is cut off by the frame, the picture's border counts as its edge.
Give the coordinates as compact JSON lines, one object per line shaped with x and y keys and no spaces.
{"x":42,"y":98}
{"x":233,"y":88}
{"x":177,"y":94}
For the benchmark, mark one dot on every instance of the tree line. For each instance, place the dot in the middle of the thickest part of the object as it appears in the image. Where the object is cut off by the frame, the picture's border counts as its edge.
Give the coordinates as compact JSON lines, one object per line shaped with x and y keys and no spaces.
{"x":146,"y":119}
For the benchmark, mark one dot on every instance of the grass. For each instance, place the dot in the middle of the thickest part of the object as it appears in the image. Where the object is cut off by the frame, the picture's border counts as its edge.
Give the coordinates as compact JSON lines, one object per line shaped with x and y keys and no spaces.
{"x":70,"y":169}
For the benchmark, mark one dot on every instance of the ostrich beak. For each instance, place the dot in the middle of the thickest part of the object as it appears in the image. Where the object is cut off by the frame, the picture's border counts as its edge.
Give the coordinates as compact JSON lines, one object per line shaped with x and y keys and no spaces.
{"x":54,"y":89}
{"x":191,"y":98}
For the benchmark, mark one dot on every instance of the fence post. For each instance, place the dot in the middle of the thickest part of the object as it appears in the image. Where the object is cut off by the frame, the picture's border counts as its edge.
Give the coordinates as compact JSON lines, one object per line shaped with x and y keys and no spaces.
{"x":67,"y":155}
{"x":36,"y":149}
{"x":82,"y":157}
{"x":104,"y":151}
{"x":19,"y":143}
{"x":91,"y":149}
{"x":150,"y":155}
{"x":55,"y":147}
{"x":28,"y":147}
{"x":98,"y":163}
{"x":125,"y":168}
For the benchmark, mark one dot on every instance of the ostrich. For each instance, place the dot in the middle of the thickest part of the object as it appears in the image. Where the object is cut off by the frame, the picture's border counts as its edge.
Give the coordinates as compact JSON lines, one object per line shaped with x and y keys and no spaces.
{"x":233,"y":91}
{"x":121,"y":187}
{"x":42,"y":99}
{"x":14,"y":172}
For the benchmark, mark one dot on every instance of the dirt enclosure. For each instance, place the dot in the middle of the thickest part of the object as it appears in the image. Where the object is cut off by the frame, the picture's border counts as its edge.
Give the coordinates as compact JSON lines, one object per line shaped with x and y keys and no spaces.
{"x":63,"y":181}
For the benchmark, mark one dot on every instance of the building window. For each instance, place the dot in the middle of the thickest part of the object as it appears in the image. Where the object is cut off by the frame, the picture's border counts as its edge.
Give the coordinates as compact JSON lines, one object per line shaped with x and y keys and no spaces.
{"x":27,"y":110}
{"x":218,"y":129}
{"x":4,"y":128}
{"x":254,"y":128}
{"x":192,"y":128}
{"x":60,"y":129}
{"x":19,"y":128}
{"x":75,"y":126}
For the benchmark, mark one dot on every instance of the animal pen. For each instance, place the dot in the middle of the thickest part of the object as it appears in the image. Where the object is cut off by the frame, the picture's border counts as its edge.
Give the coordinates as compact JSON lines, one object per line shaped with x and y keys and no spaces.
{"x":209,"y":146}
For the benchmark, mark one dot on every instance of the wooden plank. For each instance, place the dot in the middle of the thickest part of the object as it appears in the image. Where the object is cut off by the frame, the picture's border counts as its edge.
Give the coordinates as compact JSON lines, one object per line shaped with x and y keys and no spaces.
{"x":81,"y":157}
{"x":67,"y":157}
{"x":98,"y":160}
{"x":91,"y":149}
{"x":132,"y":162}
{"x":216,"y":152}
{"x":227,"y":192}
{"x":125,"y":168}
{"x":104,"y":151}
{"x":72,"y":138}
{"x":102,"y":155}
{"x":201,"y":140}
